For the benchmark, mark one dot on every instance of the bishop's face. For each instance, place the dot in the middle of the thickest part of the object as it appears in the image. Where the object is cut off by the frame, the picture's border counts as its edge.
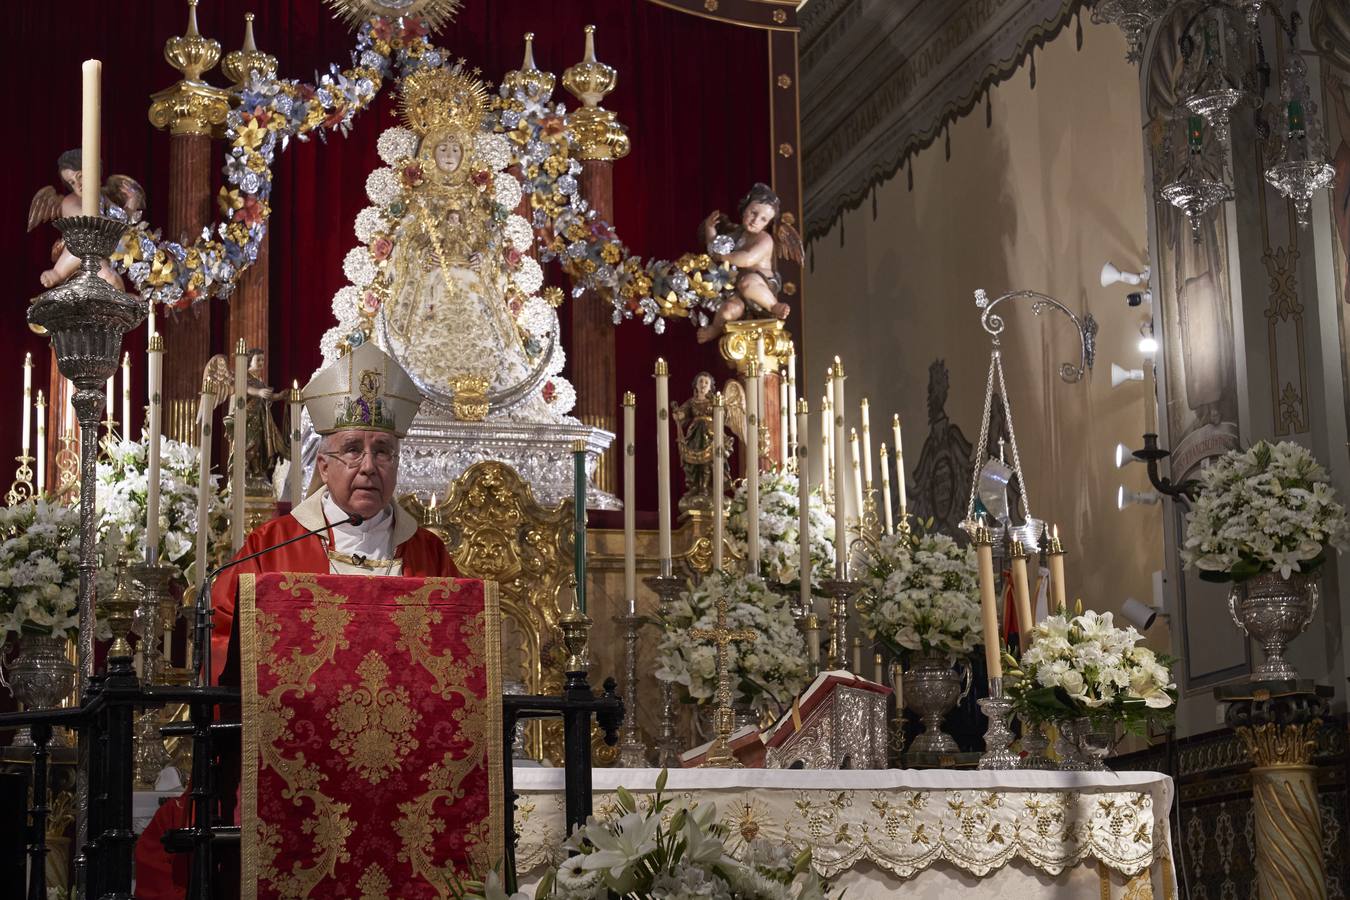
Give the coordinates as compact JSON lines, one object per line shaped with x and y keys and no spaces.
{"x":360,"y":470}
{"x":449,"y":155}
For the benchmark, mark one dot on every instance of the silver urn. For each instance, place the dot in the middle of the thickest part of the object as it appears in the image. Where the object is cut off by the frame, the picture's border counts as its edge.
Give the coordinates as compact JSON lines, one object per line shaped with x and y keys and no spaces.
{"x":1085,"y":744}
{"x":932,"y":689}
{"x":1273,"y":611}
{"x":40,"y":677}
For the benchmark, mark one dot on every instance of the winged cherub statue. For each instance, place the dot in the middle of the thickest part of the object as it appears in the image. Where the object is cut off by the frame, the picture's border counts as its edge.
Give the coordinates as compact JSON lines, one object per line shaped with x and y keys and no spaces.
{"x":753,"y":246}
{"x":122,"y":197}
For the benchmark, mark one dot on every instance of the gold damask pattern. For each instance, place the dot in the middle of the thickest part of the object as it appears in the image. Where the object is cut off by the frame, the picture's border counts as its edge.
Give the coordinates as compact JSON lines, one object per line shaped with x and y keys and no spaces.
{"x":906,"y":831}
{"x":375,"y":724}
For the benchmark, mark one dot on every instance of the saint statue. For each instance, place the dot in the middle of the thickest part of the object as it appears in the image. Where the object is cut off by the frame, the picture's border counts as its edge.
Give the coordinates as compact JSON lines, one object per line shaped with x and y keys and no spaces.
{"x":942,"y":476}
{"x":695,"y":439}
{"x":753,"y":246}
{"x":264,"y":445}
{"x":447,"y":318}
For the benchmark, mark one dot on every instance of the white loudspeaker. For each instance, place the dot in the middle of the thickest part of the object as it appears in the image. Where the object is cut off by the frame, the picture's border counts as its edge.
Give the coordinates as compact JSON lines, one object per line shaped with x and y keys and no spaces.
{"x":1137,"y":614}
{"x":1111,"y":275}
{"x":1124,"y":456}
{"x":1121,"y":375}
{"x":1126,"y":497}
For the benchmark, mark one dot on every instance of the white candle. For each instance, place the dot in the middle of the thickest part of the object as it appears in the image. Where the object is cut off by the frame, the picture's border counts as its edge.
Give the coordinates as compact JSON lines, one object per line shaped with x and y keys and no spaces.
{"x":813,"y":640}
{"x":899,"y":467}
{"x":719,"y":488}
{"x":840,"y":476}
{"x":27,"y":400}
{"x":898,"y":681}
{"x":296,"y":489}
{"x":803,"y":510}
{"x":754,"y":383}
{"x":156,"y":364}
{"x":984,"y":555}
{"x":826,"y":435}
{"x":69,"y":422}
{"x":90,"y":177}
{"x":208,"y":404}
{"x":793,"y":427}
{"x":857,"y":656}
{"x":663,"y":464}
{"x":886,"y":490}
{"x":827,"y":425}
{"x":867,"y":444}
{"x":784,"y":415}
{"x":240,"y":443}
{"x":1055,"y":554}
{"x":1021,"y":594}
{"x":857,"y":473}
{"x":108,"y":404}
{"x":879,"y":669}
{"x":126,"y":395}
{"x":40,"y":451}
{"x":630,"y":501}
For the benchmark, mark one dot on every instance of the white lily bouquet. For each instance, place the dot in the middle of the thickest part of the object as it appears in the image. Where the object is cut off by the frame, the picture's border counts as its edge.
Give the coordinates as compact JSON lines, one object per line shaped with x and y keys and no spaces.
{"x":1085,"y":666}
{"x":1270,"y":509}
{"x":921,"y":594}
{"x":668,"y":850}
{"x":123,"y":484}
{"x":39,"y":569}
{"x":765,"y":673}
{"x":779,"y":531}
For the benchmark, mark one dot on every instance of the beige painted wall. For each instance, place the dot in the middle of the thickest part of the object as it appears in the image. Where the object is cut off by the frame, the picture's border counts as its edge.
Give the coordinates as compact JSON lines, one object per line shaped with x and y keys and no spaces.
{"x":1039,"y":200}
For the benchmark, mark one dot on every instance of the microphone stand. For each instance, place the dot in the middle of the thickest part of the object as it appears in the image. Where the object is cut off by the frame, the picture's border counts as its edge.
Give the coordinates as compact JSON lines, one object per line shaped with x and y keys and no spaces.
{"x":201,"y":635}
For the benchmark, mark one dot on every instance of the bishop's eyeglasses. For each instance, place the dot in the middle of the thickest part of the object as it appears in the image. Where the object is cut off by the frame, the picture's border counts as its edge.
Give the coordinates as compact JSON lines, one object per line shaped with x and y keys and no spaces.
{"x":351,"y":457}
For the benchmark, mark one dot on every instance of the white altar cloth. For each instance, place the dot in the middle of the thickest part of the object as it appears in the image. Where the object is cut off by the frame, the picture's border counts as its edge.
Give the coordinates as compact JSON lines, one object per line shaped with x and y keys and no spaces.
{"x":936,"y":833}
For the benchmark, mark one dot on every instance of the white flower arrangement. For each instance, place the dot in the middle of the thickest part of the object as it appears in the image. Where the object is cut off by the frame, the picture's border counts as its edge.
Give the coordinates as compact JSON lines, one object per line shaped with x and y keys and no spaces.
{"x":1086,"y":666}
{"x":123,"y":483}
{"x":357,"y":266}
{"x":779,"y":547}
{"x":382,"y":186}
{"x":1269,"y":509}
{"x":39,"y":568}
{"x":672,"y":850}
{"x":922,"y":593}
{"x":346,"y":302}
{"x":369,"y":222}
{"x":395,"y":144}
{"x":765,"y":673}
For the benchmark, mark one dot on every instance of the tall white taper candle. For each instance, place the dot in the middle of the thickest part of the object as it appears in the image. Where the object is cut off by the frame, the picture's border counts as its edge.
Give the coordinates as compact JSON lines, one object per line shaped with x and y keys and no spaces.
{"x":240,"y":450}
{"x":156,"y":365}
{"x":886,"y":489}
{"x":867,"y":443}
{"x":754,"y":383}
{"x":784,"y":416}
{"x":294,"y":487}
{"x":662,"y":375}
{"x":899,"y":467}
{"x":90,"y":176}
{"x":205,"y":435}
{"x":840,"y":475}
{"x":803,"y":508}
{"x":719,"y":488}
{"x":793,"y":427}
{"x":126,"y":395}
{"x":630,"y":501}
{"x":40,"y":451}
{"x":27,"y":400}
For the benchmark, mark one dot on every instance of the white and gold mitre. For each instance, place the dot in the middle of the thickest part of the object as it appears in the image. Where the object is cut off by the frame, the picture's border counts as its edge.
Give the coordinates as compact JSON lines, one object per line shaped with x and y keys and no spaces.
{"x":367,"y":390}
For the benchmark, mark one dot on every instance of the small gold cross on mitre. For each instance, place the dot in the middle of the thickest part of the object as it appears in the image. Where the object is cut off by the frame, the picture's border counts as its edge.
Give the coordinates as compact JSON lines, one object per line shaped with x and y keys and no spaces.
{"x":719,"y":754}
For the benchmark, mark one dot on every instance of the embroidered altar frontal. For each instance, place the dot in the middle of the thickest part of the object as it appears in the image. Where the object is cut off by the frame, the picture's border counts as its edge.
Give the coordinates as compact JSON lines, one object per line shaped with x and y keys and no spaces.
{"x":372,"y":735}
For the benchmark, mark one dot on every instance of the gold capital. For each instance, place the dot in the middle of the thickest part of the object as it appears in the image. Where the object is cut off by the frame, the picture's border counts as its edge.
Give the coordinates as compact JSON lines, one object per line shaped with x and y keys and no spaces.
{"x":247,"y":59}
{"x":529,"y":79}
{"x":597,"y":130}
{"x":191,"y":106}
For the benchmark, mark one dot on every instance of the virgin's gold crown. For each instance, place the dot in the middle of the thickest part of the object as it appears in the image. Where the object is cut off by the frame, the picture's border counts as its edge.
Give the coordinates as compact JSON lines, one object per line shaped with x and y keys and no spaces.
{"x":443,"y":98}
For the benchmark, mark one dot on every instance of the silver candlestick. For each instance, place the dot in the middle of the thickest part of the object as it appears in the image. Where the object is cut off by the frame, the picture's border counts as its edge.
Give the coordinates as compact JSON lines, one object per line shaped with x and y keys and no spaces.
{"x":998,"y":735}
{"x":840,"y":593}
{"x":87,"y":318}
{"x":668,"y":746}
{"x":154,"y":618}
{"x":1034,"y":744}
{"x":632,"y":752}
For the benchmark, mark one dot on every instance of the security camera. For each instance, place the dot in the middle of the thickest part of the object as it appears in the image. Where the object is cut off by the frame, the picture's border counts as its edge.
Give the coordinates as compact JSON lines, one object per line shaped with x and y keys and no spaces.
{"x":1124,"y":456}
{"x":1139,"y":298}
{"x":1121,"y":375}
{"x":1126,"y":497}
{"x":1139,"y":615}
{"x":1111,"y":275}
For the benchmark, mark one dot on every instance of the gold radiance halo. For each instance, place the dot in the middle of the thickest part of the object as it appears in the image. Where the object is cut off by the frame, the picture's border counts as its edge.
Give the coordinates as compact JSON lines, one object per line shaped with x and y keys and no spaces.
{"x":434,"y":13}
{"x":435,"y":99}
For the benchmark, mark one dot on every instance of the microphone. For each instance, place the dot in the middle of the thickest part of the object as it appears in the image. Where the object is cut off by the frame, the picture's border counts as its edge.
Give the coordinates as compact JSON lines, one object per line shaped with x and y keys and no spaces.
{"x":201,"y":639}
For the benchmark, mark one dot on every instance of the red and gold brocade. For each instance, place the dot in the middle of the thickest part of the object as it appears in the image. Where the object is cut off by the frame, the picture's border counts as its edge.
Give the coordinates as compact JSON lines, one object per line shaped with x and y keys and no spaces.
{"x":372,"y":758}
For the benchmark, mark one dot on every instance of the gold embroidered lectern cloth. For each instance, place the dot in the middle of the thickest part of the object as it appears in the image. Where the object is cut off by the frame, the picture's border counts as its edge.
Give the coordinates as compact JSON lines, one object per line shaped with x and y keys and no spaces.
{"x":372,"y":735}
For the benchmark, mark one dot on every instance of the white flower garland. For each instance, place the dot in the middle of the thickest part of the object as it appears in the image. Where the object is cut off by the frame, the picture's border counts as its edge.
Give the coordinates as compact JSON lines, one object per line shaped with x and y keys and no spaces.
{"x":779,"y":544}
{"x":1269,"y":509}
{"x":766,"y":673}
{"x":922,"y":593}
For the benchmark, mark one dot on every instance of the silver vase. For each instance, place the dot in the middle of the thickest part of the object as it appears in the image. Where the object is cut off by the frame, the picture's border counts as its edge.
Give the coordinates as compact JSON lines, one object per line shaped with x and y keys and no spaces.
{"x":40,"y":677}
{"x":1085,"y":744}
{"x":1273,"y":611}
{"x":932,"y":689}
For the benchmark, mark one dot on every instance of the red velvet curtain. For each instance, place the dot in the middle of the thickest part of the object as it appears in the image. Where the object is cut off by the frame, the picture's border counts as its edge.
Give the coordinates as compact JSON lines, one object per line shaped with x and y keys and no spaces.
{"x":693,"y":94}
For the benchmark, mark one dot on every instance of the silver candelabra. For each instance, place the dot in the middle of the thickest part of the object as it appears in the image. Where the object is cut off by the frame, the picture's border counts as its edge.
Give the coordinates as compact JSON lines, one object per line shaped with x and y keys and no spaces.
{"x":632,"y":752}
{"x":668,"y":746}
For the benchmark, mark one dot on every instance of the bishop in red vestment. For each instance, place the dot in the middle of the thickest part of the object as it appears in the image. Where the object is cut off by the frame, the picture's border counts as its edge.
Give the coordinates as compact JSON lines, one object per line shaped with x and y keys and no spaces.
{"x":362,"y":404}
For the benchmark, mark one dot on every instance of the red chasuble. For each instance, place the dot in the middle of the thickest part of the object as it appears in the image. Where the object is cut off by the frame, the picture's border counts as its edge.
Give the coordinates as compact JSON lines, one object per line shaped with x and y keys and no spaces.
{"x":423,"y":555}
{"x":372,"y":743}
